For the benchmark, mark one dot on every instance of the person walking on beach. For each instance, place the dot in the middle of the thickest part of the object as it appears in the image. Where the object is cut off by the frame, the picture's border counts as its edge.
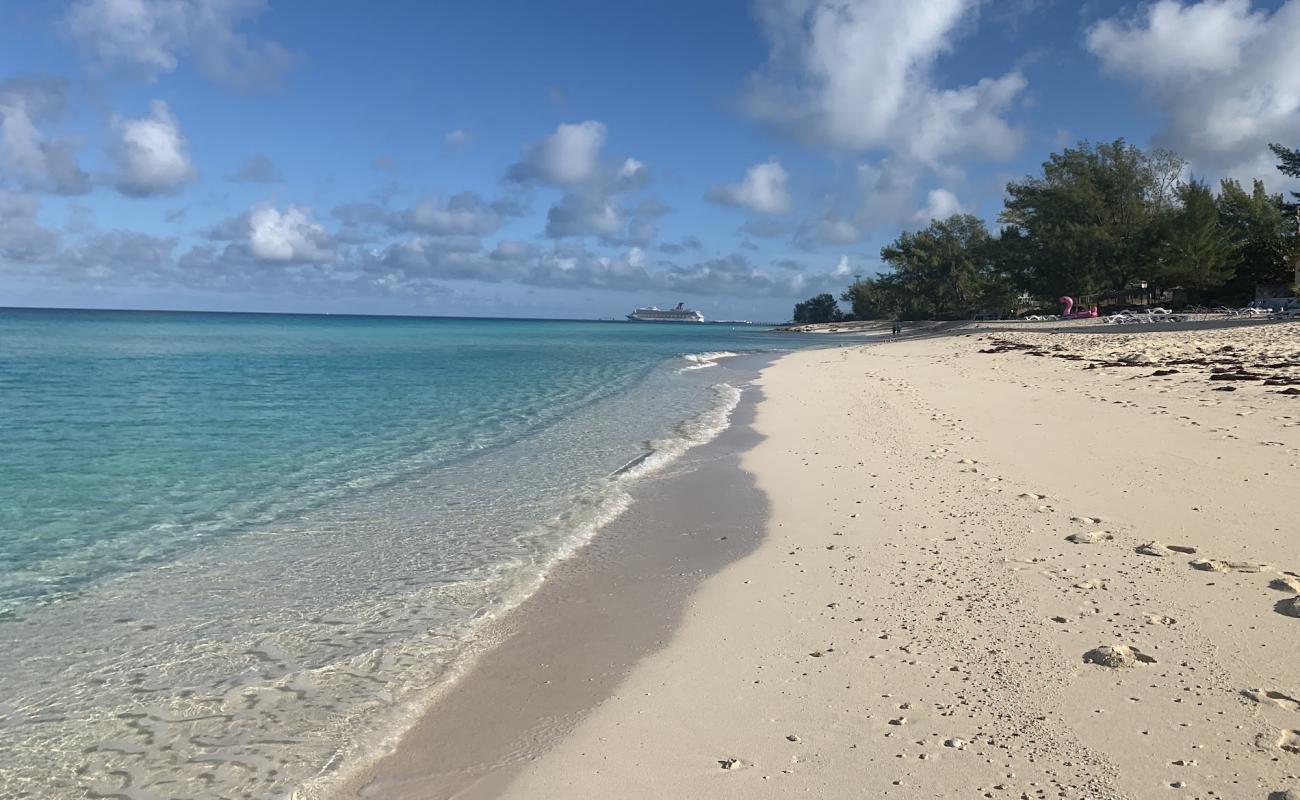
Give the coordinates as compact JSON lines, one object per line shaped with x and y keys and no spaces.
{"x":896,"y":331}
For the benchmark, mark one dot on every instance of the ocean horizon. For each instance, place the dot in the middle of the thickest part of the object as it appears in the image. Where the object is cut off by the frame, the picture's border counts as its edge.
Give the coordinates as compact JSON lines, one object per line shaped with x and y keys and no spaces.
{"x":233,"y":547}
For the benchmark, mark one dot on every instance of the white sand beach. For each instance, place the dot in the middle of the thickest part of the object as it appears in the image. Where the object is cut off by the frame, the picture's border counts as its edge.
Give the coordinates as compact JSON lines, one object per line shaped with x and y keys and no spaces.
{"x":953,"y":535}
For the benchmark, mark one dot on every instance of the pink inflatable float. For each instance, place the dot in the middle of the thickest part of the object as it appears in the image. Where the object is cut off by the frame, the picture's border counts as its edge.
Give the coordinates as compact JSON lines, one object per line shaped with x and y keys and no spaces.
{"x":1068,"y":302}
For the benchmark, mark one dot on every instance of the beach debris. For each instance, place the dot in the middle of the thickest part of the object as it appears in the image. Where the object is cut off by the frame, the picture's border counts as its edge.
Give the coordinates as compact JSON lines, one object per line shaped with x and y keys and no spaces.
{"x":793,"y":738}
{"x":1164,"y":550}
{"x":1154,"y":549}
{"x":898,"y":721}
{"x":1116,"y":656}
{"x":956,"y":744}
{"x":1286,"y":583}
{"x":1290,"y":607}
{"x":731,"y":763}
{"x":1212,"y":565}
{"x":1090,"y":538}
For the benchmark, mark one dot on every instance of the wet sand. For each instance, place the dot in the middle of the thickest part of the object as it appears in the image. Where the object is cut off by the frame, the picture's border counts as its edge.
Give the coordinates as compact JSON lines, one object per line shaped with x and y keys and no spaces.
{"x":568,"y":647}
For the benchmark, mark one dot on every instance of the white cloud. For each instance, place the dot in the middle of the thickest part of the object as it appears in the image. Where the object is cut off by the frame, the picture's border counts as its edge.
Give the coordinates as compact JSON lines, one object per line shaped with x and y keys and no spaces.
{"x":763,"y":190}
{"x":858,"y":76}
{"x":290,"y":236}
{"x":151,"y":36}
{"x":584,"y":215}
{"x":463,"y":214}
{"x":1222,"y":75}
{"x":568,"y":157}
{"x":456,"y":138}
{"x":940,"y":204}
{"x":26,"y":156}
{"x":842,"y":268}
{"x":22,"y":238}
{"x":151,"y":154}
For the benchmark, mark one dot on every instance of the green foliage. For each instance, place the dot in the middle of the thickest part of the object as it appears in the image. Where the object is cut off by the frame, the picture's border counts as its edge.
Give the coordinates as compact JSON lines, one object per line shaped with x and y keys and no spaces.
{"x":1195,"y":252}
{"x":1260,"y":233}
{"x":1099,"y":217}
{"x":941,"y":270}
{"x":821,"y":308}
{"x":1088,"y":221}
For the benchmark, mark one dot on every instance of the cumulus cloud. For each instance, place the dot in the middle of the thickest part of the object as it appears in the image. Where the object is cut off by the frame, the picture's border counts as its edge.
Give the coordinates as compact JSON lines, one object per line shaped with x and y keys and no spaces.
{"x":33,"y":161}
{"x":149,"y":37}
{"x":463,"y":214}
{"x":583,"y":215}
{"x":256,"y":168}
{"x":568,"y":157}
{"x":1221,"y":74}
{"x":456,"y":138}
{"x":265,"y":234}
{"x":763,"y":190}
{"x":105,"y":255}
{"x":940,"y":204}
{"x":22,"y":238}
{"x":859,"y":76}
{"x":151,"y":154}
{"x":289,"y":236}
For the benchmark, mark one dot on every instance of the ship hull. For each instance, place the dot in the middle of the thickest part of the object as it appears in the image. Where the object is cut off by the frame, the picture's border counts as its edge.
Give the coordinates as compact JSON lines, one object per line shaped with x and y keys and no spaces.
{"x":635,"y":318}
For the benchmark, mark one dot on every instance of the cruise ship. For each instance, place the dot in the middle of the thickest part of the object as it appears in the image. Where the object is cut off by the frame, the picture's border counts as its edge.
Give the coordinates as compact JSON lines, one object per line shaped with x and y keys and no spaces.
{"x":679,"y":314}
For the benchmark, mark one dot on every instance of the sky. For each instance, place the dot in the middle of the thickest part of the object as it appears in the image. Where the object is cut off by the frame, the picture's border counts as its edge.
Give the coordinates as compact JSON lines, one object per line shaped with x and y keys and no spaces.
{"x":575,"y":158}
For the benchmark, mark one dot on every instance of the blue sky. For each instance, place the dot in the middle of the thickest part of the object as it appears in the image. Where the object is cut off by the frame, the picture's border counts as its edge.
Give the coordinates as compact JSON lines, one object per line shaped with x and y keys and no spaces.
{"x":574,"y":159}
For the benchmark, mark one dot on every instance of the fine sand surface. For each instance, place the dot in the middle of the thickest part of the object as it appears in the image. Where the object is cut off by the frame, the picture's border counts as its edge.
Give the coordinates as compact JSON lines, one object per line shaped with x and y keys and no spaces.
{"x":1029,"y":572}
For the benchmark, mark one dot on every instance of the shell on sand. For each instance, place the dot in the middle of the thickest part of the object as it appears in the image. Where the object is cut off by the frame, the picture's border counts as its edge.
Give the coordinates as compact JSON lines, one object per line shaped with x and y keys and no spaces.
{"x":1121,"y":655}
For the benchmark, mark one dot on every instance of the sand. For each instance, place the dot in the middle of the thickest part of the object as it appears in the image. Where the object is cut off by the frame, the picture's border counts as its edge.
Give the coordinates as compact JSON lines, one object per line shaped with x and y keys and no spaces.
{"x":915,"y":623}
{"x":995,"y":565}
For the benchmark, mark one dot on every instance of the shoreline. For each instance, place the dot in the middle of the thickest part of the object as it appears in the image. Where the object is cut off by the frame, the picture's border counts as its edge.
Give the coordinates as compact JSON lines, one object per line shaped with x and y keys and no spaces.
{"x":952,"y":536}
{"x":540,"y":667}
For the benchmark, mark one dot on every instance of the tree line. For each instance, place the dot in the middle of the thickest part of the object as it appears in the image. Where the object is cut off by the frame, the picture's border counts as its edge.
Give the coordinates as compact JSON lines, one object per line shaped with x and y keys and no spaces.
{"x":1099,"y":217}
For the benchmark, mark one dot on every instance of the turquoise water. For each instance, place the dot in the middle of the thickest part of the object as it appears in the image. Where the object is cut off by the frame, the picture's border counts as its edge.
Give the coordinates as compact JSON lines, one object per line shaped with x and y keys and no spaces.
{"x":224,"y":530}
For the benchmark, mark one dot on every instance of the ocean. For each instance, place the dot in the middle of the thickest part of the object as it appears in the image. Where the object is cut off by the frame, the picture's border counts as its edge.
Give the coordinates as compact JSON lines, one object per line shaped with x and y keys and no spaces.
{"x":236,"y":550}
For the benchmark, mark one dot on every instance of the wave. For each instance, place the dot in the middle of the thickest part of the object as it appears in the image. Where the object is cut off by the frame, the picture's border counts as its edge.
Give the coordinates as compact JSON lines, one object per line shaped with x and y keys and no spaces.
{"x":705,"y":360}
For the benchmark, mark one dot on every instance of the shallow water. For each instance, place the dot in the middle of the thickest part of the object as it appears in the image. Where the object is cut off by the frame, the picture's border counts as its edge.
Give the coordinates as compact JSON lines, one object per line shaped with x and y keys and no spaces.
{"x":234,"y":546}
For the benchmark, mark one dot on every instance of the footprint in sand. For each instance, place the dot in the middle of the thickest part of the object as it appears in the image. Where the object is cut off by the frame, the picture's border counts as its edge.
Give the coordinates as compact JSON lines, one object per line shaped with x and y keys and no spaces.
{"x":1086,"y":520}
{"x":1289,"y":741}
{"x":1164,"y":550}
{"x":1116,"y":656}
{"x":1265,"y":697}
{"x":1160,"y":619}
{"x":1090,"y":538}
{"x":1032,"y":496}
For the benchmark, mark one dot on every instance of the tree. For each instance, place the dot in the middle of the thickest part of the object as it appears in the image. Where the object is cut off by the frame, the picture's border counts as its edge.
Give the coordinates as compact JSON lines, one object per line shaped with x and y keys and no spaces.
{"x":1259,"y":232}
{"x":1196,"y":252}
{"x":870,"y":299}
{"x":1091,"y":221}
{"x":821,"y":308}
{"x":1288,"y":162}
{"x":940,"y":270}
